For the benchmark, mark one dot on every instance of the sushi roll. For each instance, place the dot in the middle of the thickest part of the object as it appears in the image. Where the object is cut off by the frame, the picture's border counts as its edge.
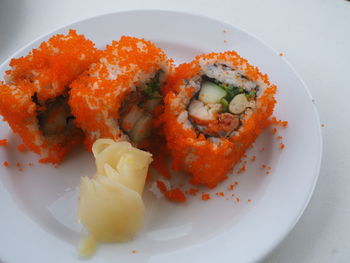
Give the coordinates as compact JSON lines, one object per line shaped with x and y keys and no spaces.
{"x":116,"y":97}
{"x":215,"y":108}
{"x":34,"y":96}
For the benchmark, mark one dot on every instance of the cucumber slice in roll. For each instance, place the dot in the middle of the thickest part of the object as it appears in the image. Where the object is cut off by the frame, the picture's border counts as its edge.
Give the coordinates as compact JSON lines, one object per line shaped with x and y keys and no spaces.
{"x":211,"y":93}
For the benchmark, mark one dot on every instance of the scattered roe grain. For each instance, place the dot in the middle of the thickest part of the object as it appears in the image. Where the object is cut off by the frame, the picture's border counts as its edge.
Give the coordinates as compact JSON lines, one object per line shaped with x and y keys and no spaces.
{"x":3,"y":142}
{"x":175,"y":195}
{"x":282,"y":124}
{"x":21,"y":148}
{"x":192,"y":191}
{"x":205,"y":196}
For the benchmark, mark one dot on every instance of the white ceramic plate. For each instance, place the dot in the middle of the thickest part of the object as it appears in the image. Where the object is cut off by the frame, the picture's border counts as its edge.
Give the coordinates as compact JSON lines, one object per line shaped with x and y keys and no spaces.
{"x":38,"y":205}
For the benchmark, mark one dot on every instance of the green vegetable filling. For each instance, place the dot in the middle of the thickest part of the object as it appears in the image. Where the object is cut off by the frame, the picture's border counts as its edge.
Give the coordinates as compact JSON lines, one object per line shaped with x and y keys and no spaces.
{"x":224,"y":104}
{"x":153,"y":87}
{"x":233,"y":91}
{"x":251,"y":94}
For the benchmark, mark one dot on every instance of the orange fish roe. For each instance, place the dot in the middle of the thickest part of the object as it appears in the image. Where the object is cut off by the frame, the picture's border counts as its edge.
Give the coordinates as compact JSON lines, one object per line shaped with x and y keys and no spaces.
{"x":220,"y":194}
{"x":249,"y":200}
{"x":160,"y":154}
{"x":322,"y":125}
{"x":4,"y":142}
{"x":192,"y":191}
{"x":205,"y":196}
{"x":274,"y":130}
{"x":175,"y":195}
{"x":281,"y":146}
{"x":281,"y":54}
{"x":21,"y":148}
{"x":232,"y":187}
{"x":193,"y":152}
{"x":238,"y":199}
{"x":96,"y":97}
{"x":18,"y":164}
{"x":283,"y":124}
{"x":38,"y":78}
{"x":6,"y":164}
{"x":279,"y":137}
{"x":242,"y":169}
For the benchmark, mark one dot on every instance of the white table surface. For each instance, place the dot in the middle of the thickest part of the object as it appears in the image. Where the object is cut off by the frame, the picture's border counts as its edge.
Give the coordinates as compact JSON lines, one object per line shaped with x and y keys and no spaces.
{"x":314,"y":35}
